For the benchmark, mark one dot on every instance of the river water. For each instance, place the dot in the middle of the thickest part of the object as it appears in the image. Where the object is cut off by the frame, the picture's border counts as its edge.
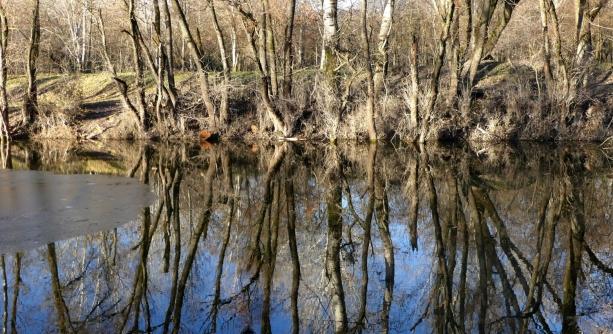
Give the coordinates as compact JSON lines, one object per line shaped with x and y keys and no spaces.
{"x":259,"y":238}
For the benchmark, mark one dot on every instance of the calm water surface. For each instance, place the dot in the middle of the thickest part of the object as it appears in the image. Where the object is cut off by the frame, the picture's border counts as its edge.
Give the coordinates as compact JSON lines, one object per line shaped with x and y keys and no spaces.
{"x":300,"y":238}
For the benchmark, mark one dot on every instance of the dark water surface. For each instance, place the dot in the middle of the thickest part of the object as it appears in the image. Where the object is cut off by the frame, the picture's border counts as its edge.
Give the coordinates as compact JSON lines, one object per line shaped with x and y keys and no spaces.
{"x":316,"y":239}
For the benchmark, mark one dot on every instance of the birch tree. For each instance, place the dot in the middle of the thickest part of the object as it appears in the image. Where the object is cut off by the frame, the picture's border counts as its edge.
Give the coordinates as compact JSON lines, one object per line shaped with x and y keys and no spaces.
{"x":330,"y":38}
{"x":370,"y":81}
{"x":382,"y":56}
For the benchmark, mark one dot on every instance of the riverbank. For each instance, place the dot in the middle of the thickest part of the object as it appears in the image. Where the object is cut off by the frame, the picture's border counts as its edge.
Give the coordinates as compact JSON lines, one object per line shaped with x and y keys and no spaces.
{"x":511,"y":104}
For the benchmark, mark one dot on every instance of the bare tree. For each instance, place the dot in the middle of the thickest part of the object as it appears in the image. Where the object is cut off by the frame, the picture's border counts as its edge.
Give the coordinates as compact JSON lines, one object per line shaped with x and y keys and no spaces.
{"x":30,"y":101}
{"x":121,"y":85}
{"x":436,"y":71}
{"x":371,"y":84}
{"x":198,"y":60}
{"x":330,"y":38}
{"x":288,"y":49}
{"x":382,"y":62}
{"x":5,"y":131}
{"x":224,"y":112}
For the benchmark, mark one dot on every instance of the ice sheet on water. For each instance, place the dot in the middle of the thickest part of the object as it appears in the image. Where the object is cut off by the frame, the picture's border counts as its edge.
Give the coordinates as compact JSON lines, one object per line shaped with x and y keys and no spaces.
{"x":37,"y":208}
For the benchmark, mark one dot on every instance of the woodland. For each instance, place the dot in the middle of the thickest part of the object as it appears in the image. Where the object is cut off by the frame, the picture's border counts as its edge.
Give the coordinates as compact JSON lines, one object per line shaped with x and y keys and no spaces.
{"x":474,"y":70}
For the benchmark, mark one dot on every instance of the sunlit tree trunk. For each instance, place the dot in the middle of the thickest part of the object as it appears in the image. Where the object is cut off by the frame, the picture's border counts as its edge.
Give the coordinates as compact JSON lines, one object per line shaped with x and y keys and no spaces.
{"x":413,"y":98}
{"x":545,"y":45}
{"x":224,"y":112}
{"x":382,"y":56}
{"x":371,"y":94}
{"x":330,"y":39}
{"x":483,"y":12}
{"x":556,"y":42}
{"x":121,"y":85}
{"x":170,"y":63}
{"x":30,"y":101}
{"x":584,"y":17}
{"x":250,"y":27}
{"x":4,"y":103}
{"x":494,"y":32}
{"x":234,"y":37}
{"x":271,"y":49}
{"x":137,"y":60}
{"x":288,"y":50}
{"x":436,"y":71}
{"x":197,"y":58}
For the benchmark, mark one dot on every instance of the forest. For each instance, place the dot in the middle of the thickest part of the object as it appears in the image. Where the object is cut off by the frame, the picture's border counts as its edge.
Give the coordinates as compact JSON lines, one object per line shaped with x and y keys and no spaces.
{"x":473,"y":70}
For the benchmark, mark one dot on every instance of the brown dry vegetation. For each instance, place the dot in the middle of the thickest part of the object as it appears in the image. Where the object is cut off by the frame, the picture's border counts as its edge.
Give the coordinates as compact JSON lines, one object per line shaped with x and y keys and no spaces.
{"x":527,"y":81}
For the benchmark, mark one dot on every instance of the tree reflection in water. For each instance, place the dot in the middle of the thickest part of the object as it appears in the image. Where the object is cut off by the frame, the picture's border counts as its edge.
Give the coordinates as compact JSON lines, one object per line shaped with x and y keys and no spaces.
{"x":346,"y":239}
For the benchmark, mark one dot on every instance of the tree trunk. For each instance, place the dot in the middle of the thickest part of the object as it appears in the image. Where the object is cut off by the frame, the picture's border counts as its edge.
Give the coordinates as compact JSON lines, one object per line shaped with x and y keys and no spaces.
{"x":545,"y":46}
{"x":264,"y":83}
{"x":454,"y":61}
{"x":483,"y":11}
{"x":5,"y":131}
{"x":330,"y":39}
{"x":224,"y":112}
{"x":381,"y":59}
{"x":288,"y":50}
{"x":141,"y":105}
{"x":561,"y":75}
{"x":30,"y":102}
{"x":371,"y":94}
{"x":198,"y":60}
{"x":234,"y":43}
{"x":436,"y":72}
{"x":503,"y":21}
{"x":122,"y":86}
{"x":414,"y":92}
{"x":170,"y":73}
{"x":271,"y":53}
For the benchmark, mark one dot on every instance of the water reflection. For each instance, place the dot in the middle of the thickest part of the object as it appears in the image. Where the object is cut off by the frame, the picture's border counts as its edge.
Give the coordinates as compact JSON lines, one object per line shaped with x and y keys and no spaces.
{"x":345,"y":239}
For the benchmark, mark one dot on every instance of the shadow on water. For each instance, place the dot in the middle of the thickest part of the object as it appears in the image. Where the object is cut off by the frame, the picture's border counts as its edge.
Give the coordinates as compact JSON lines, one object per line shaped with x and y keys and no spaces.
{"x":345,"y":239}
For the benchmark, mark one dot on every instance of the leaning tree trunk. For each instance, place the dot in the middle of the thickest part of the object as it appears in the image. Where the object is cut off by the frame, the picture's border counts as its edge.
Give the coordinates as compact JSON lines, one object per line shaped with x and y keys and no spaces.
{"x":273,"y":114}
{"x":483,"y":11}
{"x":436,"y":72}
{"x":224,"y":113}
{"x":137,"y":59}
{"x":371,"y":95}
{"x":4,"y":103}
{"x":495,"y":32}
{"x":30,"y":101}
{"x":198,"y":60}
{"x":121,"y":85}
{"x":382,"y":56}
{"x":583,"y":36}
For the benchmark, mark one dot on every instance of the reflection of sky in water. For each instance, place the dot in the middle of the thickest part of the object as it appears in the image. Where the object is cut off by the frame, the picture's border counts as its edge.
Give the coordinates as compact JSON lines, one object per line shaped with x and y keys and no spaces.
{"x":88,"y":278}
